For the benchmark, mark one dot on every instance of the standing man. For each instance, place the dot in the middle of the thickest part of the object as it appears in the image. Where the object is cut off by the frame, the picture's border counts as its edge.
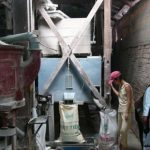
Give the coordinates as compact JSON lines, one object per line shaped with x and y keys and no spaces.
{"x":146,"y":118}
{"x":126,"y":106}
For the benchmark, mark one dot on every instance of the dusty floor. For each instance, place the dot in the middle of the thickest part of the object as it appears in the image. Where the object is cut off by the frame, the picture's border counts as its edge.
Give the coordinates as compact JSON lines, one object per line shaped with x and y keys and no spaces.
{"x":133,"y":142}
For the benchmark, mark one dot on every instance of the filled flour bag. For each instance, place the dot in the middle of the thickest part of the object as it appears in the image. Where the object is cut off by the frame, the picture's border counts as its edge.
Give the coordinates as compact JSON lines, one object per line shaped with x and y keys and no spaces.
{"x":69,"y":124}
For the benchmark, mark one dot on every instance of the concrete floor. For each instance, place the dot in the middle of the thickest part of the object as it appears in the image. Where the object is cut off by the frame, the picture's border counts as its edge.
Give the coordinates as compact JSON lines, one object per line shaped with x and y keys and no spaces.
{"x":133,"y":141}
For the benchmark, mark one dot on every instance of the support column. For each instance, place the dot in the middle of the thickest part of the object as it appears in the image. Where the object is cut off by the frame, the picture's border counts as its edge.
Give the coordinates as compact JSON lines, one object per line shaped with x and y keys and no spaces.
{"x":14,"y":137}
{"x":107,"y":45}
{"x":51,"y":126}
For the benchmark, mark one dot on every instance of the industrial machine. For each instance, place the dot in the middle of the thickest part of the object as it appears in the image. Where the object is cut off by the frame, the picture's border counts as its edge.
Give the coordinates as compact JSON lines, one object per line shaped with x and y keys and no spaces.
{"x":15,"y":76}
{"x":68,"y":73}
{"x":74,"y":78}
{"x":75,"y":66}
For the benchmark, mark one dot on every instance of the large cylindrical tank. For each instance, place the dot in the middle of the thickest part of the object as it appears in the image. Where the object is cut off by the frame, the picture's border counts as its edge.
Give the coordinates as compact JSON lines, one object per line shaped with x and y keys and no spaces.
{"x":16,"y":74}
{"x":10,"y":59}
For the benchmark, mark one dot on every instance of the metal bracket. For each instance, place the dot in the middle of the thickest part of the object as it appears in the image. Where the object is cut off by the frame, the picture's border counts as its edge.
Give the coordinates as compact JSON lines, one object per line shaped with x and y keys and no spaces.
{"x":40,"y":120}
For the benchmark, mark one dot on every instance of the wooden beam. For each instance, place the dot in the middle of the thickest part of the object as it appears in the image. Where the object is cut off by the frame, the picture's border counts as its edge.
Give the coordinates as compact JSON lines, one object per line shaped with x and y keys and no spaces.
{"x":127,"y":2}
{"x":78,"y":36}
{"x":107,"y":44}
{"x":54,"y":74}
{"x":60,"y":39}
{"x":65,"y":49}
{"x":85,"y":78}
{"x":69,"y":50}
{"x":50,"y":23}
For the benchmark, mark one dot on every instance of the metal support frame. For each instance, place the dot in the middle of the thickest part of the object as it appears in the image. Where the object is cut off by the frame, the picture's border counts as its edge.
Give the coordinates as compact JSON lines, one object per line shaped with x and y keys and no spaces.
{"x":40,"y":120}
{"x":90,"y":144}
{"x":32,"y":136}
{"x":7,"y":131}
{"x":51,"y":125}
{"x":68,"y":49}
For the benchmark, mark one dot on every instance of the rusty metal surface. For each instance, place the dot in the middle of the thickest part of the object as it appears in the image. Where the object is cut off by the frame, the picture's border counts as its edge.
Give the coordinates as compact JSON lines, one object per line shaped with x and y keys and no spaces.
{"x":9,"y":66}
{"x":14,"y":75}
{"x":31,"y":68}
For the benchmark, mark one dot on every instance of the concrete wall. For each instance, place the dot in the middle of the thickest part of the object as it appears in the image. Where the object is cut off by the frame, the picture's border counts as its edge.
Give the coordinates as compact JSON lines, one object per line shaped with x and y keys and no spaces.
{"x":131,"y":53}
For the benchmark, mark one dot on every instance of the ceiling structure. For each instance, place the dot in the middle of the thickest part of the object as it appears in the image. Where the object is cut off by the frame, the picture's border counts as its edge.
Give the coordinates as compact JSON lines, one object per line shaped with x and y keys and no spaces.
{"x":73,"y":7}
{"x":81,"y":8}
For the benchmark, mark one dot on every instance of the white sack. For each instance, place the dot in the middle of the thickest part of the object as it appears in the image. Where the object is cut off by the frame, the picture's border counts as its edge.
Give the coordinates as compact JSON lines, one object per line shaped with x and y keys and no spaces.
{"x":69,"y":123}
{"x":108,"y":130}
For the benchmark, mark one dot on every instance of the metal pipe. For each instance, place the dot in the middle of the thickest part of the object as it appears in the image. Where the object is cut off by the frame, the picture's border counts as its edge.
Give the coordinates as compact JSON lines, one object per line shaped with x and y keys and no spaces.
{"x":14,"y":137}
{"x":28,"y":36}
{"x":20,"y":133}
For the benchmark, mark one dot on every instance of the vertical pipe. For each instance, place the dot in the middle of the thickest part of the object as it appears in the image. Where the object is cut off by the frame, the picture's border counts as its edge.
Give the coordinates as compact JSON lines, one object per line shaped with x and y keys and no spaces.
{"x":6,"y":143}
{"x":30,"y":16}
{"x":14,"y":137}
{"x":8,"y":13}
{"x":51,"y":126}
{"x":107,"y":44}
{"x":5,"y":120}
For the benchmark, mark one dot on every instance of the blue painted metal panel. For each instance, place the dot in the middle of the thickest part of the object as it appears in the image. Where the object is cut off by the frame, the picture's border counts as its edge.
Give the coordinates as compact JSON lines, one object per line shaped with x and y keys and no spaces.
{"x":92,"y":67}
